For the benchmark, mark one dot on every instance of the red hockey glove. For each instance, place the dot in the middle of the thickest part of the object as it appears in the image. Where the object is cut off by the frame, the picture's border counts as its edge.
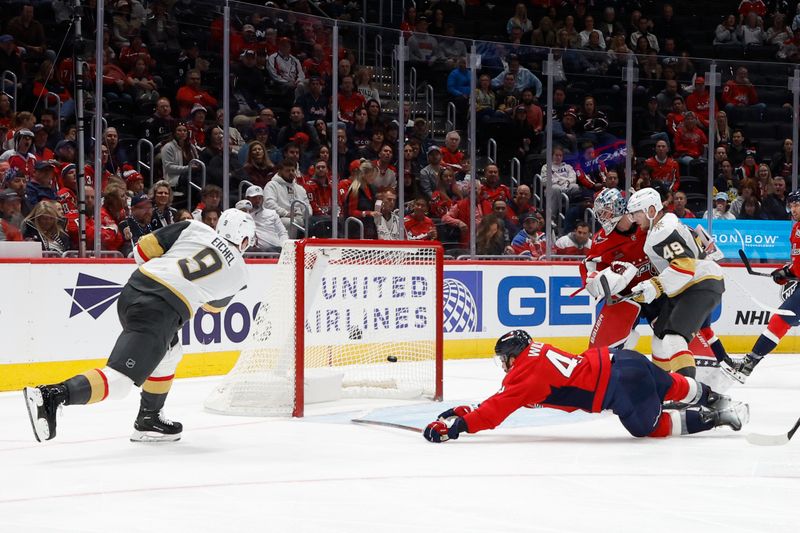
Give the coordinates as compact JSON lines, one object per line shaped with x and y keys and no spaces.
{"x":439,"y":431}
{"x":461,"y":410}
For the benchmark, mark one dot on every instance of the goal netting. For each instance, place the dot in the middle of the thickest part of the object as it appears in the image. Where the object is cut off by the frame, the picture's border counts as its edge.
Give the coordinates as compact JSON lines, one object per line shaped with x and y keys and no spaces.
{"x":358,"y":319}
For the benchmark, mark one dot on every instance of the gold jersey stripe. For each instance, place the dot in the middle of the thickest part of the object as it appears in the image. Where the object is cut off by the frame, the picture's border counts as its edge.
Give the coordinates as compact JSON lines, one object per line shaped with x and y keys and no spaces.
{"x":171,"y":289}
{"x":150,"y":246}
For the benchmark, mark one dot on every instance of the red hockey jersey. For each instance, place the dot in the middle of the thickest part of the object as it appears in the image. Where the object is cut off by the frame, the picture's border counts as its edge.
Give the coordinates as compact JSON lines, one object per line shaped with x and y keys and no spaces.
{"x":618,"y":246}
{"x":544,"y":375}
{"x":795,"y":240}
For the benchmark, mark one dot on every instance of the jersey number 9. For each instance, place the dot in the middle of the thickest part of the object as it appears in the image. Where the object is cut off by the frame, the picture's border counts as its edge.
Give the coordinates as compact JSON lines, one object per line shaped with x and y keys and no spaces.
{"x":203,"y":263}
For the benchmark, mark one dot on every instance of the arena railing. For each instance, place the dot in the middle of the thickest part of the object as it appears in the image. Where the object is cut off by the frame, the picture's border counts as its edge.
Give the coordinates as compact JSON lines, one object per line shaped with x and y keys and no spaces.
{"x":620,"y":83}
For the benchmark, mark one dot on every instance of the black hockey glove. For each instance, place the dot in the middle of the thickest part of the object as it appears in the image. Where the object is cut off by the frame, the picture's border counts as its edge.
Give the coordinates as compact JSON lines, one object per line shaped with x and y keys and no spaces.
{"x":781,"y":275}
{"x":439,"y":432}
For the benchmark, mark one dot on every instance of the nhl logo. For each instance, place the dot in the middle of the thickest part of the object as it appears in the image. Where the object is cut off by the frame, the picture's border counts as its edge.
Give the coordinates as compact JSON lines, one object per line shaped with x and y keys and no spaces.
{"x":787,"y":290}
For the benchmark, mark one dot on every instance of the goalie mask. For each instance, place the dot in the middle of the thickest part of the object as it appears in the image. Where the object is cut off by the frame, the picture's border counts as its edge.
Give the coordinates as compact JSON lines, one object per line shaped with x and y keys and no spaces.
{"x":511,"y":345}
{"x":609,"y":207}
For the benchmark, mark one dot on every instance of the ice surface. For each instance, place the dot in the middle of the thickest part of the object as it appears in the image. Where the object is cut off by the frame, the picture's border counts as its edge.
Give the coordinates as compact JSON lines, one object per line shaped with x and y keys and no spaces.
{"x":543,"y":471}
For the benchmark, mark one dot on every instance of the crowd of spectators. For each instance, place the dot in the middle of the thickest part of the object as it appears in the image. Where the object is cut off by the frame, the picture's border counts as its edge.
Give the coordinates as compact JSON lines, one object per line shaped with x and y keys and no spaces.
{"x":162,"y":81}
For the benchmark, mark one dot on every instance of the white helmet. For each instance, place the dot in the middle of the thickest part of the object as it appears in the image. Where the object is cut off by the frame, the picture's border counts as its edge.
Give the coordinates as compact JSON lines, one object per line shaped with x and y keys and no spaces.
{"x":236,"y":226}
{"x":643,"y":199}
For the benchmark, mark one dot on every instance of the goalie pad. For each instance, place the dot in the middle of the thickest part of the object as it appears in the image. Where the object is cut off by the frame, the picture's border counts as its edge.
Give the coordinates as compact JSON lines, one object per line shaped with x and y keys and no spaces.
{"x":618,"y":276}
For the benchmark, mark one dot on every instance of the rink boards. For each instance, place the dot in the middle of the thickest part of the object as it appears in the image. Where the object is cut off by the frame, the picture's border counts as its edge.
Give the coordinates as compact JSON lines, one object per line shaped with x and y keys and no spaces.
{"x":59,"y":316}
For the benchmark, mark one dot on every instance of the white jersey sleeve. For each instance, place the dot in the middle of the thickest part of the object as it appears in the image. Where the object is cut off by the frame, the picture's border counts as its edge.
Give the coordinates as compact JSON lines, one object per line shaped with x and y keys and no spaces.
{"x":190,"y":266}
{"x":673,"y":251}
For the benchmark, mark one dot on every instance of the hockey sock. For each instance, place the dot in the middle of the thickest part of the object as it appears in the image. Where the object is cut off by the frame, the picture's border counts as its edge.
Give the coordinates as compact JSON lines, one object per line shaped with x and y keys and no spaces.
{"x":154,"y":392}
{"x":89,"y":387}
{"x":769,"y":339}
{"x":685,"y":390}
{"x":716,"y":345}
{"x":695,"y":422}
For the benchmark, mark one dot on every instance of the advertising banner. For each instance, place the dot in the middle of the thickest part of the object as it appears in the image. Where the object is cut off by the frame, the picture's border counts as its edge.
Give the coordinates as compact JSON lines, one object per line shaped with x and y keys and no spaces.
{"x":67,"y":312}
{"x":760,"y":239}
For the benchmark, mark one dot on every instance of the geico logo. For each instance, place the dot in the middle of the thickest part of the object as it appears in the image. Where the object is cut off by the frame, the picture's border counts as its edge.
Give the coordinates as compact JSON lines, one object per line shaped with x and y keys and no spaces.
{"x":524,"y":301}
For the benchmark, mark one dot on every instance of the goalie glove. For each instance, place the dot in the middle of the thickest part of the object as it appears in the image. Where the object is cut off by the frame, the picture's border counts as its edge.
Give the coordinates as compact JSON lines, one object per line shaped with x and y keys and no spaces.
{"x":461,"y":410}
{"x":439,"y":431}
{"x":618,"y":276}
{"x":781,"y":275}
{"x":647,"y":291}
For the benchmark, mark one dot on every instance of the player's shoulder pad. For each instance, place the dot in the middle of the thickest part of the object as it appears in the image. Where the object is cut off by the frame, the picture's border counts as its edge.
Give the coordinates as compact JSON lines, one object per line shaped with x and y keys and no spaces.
{"x":667,"y":225}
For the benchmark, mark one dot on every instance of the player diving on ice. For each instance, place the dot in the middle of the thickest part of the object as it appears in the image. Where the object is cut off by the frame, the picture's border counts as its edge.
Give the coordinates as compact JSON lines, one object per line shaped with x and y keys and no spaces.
{"x":622,"y":381}
{"x":779,"y":325}
{"x":181,"y":267}
{"x":618,"y":261}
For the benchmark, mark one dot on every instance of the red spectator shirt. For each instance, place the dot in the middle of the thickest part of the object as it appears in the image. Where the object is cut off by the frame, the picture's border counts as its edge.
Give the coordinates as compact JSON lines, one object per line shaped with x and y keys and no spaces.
{"x":699,"y":104}
{"x":618,"y":246}
{"x":673,"y":122}
{"x":88,"y":173}
{"x":348,"y":105}
{"x":110,"y":236}
{"x":187,"y":97}
{"x":666,"y":171}
{"x":543,"y":375}
{"x":344,"y":186}
{"x":24,"y":163}
{"x":68,"y":200}
{"x":440,"y":204}
{"x":452,"y":158}
{"x":739,"y":95}
{"x":690,"y":142}
{"x":319,"y":196}
{"x":8,"y":232}
{"x":489,"y":196}
{"x":752,"y":6}
{"x":417,"y":230}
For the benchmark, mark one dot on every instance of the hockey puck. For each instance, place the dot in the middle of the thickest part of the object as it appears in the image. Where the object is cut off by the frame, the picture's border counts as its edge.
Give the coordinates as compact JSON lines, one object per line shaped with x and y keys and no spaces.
{"x":392,"y":359}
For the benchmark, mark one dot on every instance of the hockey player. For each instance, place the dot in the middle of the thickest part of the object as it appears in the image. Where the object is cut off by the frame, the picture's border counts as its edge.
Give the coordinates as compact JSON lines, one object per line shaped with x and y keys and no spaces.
{"x":182,"y":266}
{"x":691,"y":284}
{"x":779,"y":325}
{"x":619,"y":244}
{"x":617,"y":255}
{"x":623,"y":381}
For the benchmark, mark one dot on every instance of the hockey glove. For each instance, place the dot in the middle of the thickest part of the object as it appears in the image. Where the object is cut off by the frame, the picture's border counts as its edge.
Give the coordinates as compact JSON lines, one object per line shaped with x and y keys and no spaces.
{"x":439,"y":431}
{"x":461,"y":410}
{"x":781,"y":275}
{"x":647,"y":291}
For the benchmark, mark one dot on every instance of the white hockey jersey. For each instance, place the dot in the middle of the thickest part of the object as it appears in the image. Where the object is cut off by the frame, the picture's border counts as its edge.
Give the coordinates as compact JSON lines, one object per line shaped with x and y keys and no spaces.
{"x":677,"y":258}
{"x":189,"y":265}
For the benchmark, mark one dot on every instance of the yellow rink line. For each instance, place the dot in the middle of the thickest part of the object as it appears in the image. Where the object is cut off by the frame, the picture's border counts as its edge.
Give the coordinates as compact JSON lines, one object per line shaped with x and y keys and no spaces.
{"x":18,"y":375}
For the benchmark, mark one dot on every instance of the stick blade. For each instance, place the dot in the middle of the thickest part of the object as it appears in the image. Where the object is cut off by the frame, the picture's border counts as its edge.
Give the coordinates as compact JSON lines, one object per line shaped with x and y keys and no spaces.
{"x":366,"y":422}
{"x":759,"y":439}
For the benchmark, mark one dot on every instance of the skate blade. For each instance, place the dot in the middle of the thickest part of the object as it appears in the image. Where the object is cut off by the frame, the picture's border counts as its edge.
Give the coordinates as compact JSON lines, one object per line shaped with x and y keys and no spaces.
{"x":153,"y":436}
{"x":33,"y":401}
{"x":732,"y":374}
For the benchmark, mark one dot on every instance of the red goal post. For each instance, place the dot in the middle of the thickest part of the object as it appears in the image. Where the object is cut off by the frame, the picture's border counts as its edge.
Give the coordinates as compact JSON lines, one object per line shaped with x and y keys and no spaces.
{"x":343,"y":318}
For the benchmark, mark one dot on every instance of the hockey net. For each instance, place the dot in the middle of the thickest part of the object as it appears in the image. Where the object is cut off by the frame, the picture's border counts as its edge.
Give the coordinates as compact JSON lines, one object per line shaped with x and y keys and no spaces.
{"x":364,"y":316}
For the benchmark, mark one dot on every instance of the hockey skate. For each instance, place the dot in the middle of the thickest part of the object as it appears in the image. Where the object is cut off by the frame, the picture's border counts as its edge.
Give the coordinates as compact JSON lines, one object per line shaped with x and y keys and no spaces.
{"x":153,"y":426}
{"x":734,"y":415}
{"x":43,"y":403}
{"x":739,"y":370}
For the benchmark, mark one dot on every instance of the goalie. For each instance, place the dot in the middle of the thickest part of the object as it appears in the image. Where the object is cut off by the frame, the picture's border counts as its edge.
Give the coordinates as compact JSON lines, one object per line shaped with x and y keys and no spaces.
{"x":182,"y":266}
{"x":623,"y":381}
{"x":618,"y":258}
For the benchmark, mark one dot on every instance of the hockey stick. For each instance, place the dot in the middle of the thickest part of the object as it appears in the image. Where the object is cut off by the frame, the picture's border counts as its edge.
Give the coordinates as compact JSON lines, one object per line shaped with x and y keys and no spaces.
{"x":750,"y":270}
{"x":762,"y":305}
{"x":608,"y":299}
{"x":385,"y":424}
{"x":773,"y":440}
